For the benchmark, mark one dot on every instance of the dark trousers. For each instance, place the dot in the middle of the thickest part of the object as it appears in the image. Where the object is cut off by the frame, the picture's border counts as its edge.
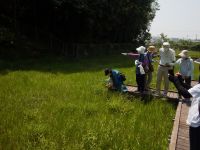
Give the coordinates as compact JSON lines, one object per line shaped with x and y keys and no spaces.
{"x":171,"y":71}
{"x":187,"y":81}
{"x":194,"y":138}
{"x":140,"y":79}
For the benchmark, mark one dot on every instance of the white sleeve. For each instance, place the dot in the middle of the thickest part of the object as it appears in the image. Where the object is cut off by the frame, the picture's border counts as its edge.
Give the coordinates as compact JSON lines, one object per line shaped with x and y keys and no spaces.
{"x":195,"y":91}
{"x":173,"y":55}
{"x":137,"y":62}
{"x":178,"y":61}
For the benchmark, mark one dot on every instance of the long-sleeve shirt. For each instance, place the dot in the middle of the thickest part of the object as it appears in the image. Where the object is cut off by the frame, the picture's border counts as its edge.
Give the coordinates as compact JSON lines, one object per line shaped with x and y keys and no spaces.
{"x":149,"y":57}
{"x":193,"y":116}
{"x":117,"y":81}
{"x":167,"y":57}
{"x":133,"y":55}
{"x":186,"y":66}
{"x":142,"y":60}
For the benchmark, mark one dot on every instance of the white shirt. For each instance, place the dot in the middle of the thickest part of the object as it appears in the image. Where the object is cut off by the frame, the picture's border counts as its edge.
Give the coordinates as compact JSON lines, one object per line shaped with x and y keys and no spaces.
{"x":193,"y":119}
{"x":167,"y":56}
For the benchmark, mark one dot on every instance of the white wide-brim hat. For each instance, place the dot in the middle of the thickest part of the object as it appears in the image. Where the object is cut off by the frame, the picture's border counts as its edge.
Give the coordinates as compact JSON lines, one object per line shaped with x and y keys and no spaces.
{"x":184,"y":53}
{"x":141,"y":49}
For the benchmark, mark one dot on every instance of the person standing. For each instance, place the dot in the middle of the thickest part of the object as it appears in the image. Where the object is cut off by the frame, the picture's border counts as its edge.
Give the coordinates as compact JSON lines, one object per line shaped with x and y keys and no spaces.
{"x":149,"y":56}
{"x":167,"y":59}
{"x":141,"y":68}
{"x":193,"y":119}
{"x":186,"y":66}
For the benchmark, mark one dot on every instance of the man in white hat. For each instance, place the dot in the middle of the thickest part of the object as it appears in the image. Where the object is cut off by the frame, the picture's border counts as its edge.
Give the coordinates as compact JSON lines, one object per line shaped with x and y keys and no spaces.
{"x":167,"y":60}
{"x":186,"y":66}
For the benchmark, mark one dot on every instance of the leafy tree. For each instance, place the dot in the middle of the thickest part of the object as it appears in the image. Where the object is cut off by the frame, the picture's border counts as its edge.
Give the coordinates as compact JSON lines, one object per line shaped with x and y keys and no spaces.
{"x":80,"y":21}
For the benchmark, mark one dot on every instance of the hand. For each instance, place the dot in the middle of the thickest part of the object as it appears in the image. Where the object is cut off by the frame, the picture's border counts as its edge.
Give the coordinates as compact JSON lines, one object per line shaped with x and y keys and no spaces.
{"x":178,"y":74}
{"x":124,"y":54}
{"x":137,"y":62}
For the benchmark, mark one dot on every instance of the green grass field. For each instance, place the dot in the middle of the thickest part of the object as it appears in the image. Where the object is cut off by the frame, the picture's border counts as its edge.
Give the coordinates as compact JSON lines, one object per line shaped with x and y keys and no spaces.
{"x":53,"y":103}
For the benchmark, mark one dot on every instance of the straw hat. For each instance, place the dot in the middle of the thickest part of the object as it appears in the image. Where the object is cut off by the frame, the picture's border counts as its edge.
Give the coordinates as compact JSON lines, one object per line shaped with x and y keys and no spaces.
{"x":151,"y":48}
{"x":141,"y":49}
{"x":184,"y":54}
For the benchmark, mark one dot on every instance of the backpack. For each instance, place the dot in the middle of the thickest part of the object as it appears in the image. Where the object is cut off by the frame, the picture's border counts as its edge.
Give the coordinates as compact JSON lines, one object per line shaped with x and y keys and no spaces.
{"x":122,"y":76}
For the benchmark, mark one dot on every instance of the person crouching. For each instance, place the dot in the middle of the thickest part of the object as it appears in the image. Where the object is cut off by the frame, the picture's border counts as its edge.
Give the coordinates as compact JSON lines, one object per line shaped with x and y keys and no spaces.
{"x":115,"y":81}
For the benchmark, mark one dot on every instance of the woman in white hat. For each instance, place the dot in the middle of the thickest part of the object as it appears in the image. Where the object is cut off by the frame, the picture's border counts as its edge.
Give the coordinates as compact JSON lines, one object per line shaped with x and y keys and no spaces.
{"x":186,"y":66}
{"x":141,"y":64}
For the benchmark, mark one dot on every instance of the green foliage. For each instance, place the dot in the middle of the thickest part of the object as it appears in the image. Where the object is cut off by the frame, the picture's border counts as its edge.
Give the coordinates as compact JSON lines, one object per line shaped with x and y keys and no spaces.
{"x":52,"y":103}
{"x":6,"y":36}
{"x":77,"y":21}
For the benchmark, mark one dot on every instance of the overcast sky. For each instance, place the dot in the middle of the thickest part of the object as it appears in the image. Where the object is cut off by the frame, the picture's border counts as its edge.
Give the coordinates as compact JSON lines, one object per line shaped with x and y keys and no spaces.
{"x":177,"y":18}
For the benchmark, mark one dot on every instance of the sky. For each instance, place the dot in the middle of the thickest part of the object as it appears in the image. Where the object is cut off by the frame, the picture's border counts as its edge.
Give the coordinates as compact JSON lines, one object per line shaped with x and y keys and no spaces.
{"x":177,"y":19}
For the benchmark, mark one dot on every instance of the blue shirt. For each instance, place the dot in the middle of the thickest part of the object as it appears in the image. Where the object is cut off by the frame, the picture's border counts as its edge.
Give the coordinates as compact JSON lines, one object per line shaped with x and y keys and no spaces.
{"x":117,"y":81}
{"x":186,"y":66}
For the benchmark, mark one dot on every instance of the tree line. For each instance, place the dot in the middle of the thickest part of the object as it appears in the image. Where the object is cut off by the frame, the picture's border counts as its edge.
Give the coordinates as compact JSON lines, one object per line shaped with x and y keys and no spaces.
{"x":78,"y":21}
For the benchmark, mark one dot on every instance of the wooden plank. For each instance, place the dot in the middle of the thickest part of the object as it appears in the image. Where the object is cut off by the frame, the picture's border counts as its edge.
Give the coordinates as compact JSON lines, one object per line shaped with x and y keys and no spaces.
{"x":193,"y":83}
{"x":169,"y":94}
{"x":183,"y":141}
{"x":183,"y":137}
{"x":183,"y":134}
{"x":174,"y":135}
{"x":182,"y":144}
{"x":183,"y":147}
{"x":173,"y":95}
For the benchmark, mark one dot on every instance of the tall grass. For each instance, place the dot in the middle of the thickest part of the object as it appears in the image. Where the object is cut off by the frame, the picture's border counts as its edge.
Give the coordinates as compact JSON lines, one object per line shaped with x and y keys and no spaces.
{"x":52,"y":103}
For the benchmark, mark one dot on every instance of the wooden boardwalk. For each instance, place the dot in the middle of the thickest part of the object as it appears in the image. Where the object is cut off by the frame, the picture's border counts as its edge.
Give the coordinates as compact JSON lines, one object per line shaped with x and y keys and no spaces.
{"x":180,"y":133}
{"x":179,"y":139}
{"x":170,"y":94}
